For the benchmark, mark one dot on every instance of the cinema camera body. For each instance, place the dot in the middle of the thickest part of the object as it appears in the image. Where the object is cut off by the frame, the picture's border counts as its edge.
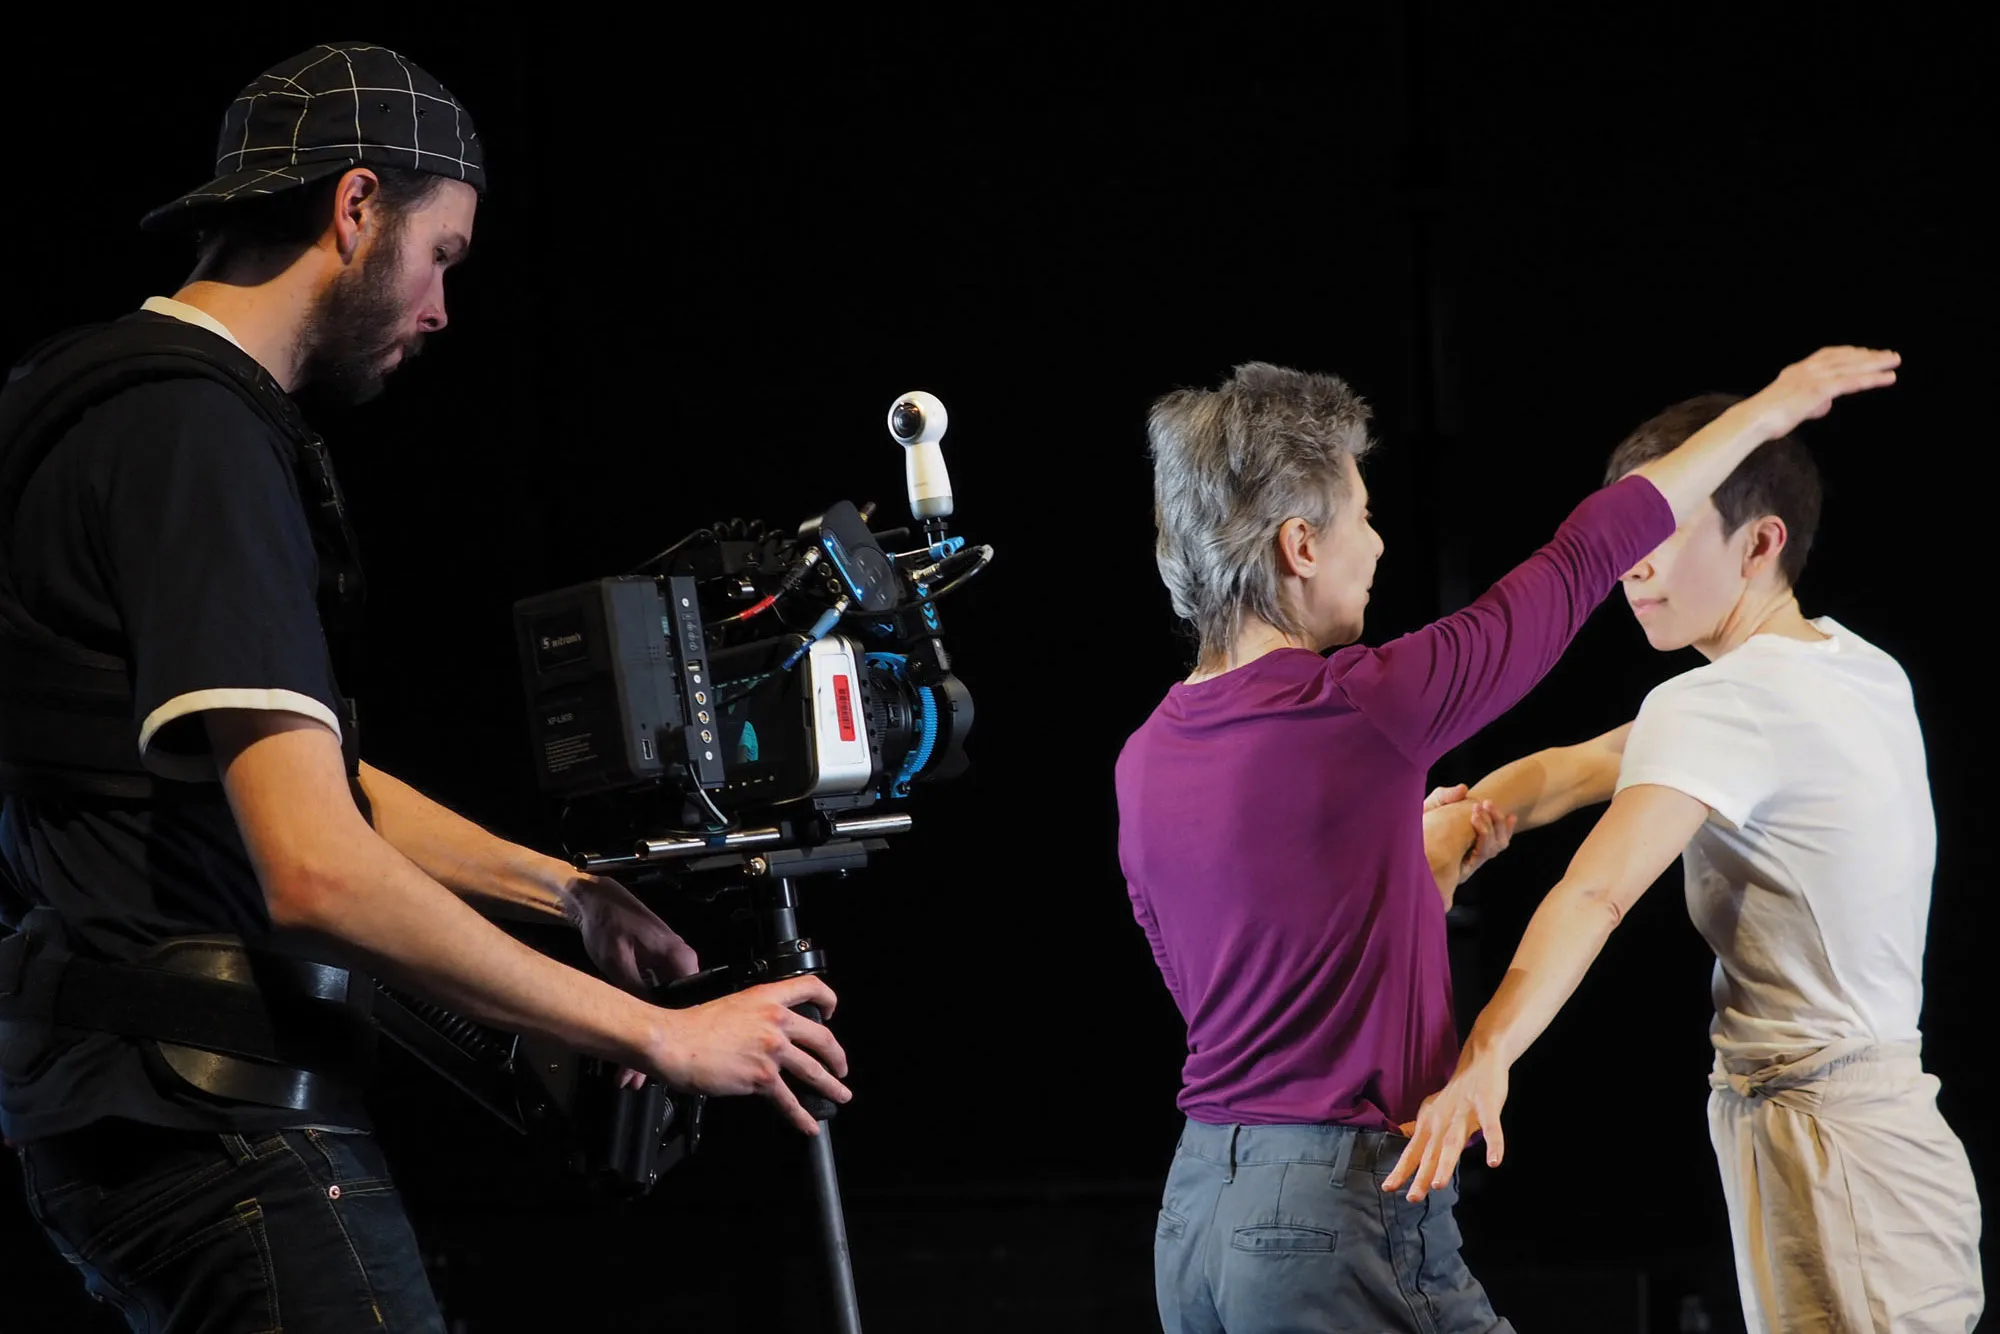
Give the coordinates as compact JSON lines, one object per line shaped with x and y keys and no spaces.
{"x":747,"y":708}
{"x":744,"y":675}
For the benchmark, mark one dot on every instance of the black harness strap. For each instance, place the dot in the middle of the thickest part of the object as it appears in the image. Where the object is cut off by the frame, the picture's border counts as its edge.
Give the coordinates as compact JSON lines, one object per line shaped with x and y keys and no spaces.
{"x":67,"y":727}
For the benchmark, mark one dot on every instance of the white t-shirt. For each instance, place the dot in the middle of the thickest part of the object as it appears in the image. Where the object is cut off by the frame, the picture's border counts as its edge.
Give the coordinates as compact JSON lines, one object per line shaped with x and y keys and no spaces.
{"x":1811,"y":879}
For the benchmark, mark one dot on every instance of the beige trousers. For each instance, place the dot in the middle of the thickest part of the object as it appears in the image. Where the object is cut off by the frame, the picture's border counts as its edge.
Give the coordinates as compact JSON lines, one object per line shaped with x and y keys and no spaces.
{"x":1851,"y":1204}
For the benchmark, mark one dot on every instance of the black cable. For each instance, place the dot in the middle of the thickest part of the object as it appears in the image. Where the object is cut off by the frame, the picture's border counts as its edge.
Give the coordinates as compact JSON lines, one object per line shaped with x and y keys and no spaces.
{"x":653,"y":562}
{"x":982,"y":557}
{"x":937,"y":593}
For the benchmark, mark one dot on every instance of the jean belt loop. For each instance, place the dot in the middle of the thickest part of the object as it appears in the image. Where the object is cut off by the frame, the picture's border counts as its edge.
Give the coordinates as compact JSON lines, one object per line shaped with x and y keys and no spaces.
{"x":1343,"y":1157}
{"x":1229,"y":1172}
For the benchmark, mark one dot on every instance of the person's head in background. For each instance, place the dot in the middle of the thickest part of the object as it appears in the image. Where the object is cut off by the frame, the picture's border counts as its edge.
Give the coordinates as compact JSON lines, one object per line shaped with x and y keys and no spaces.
{"x":1734,"y":565}
{"x":1263,"y":534}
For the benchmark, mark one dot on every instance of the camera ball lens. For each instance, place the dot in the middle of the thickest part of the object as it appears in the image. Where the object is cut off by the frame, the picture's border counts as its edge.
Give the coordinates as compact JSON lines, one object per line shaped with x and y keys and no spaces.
{"x":908,"y":421}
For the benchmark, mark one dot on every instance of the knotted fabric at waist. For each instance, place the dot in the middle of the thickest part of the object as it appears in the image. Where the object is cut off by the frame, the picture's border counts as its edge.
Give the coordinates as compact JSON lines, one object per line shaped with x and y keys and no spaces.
{"x":1782,"y":1080}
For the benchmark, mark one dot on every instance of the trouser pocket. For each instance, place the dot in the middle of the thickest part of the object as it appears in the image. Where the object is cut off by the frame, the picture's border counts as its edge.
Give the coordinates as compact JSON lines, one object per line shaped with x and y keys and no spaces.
{"x":181,"y":1242}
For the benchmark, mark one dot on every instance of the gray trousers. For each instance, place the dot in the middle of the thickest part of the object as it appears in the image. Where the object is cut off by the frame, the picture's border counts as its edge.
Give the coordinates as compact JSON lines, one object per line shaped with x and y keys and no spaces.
{"x":1286,"y":1230}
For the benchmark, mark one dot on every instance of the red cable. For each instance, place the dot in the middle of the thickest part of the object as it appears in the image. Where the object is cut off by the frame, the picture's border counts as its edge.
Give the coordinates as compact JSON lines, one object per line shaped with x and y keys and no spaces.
{"x":765,"y":605}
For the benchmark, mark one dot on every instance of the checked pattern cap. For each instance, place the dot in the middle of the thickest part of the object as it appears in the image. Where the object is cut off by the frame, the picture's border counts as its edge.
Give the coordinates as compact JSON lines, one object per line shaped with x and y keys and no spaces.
{"x":339,"y":105}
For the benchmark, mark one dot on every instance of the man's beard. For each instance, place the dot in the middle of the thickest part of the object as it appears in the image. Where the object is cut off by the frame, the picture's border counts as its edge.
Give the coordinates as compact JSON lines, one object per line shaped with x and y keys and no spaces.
{"x":351,"y":329}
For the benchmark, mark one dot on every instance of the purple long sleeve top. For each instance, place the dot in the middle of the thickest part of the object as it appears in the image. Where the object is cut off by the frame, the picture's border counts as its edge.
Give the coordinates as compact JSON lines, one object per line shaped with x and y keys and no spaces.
{"x":1270,"y":829}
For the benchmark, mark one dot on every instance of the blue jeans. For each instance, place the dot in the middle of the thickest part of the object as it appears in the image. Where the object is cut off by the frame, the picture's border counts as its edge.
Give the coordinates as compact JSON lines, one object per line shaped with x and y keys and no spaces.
{"x":184,"y":1231}
{"x":1286,"y":1230}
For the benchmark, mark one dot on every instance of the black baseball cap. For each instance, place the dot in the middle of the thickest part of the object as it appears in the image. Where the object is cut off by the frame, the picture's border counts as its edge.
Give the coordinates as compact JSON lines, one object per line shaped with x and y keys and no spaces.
{"x":339,"y":105}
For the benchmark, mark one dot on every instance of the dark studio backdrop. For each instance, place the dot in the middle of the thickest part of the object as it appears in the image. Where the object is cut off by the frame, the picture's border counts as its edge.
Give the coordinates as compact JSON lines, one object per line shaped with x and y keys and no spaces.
{"x":713,"y":255}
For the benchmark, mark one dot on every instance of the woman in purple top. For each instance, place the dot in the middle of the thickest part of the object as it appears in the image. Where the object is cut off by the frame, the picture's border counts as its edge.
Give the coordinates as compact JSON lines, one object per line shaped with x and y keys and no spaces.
{"x":1270,"y":831}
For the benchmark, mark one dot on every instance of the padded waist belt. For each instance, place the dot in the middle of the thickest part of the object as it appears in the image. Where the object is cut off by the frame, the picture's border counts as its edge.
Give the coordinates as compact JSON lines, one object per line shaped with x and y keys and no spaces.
{"x":234,"y":1022}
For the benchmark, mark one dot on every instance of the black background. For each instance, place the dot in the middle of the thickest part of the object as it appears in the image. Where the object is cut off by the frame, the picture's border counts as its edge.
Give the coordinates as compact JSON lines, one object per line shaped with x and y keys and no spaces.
{"x":716,"y":249}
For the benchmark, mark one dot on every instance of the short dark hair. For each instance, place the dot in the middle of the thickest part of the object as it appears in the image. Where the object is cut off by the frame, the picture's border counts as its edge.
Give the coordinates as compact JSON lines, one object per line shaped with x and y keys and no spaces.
{"x":1778,"y":478}
{"x":296,"y":217}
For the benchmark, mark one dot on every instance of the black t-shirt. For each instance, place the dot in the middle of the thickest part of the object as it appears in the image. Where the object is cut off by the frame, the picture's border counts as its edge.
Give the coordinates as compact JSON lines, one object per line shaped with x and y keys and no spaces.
{"x":167,"y":528}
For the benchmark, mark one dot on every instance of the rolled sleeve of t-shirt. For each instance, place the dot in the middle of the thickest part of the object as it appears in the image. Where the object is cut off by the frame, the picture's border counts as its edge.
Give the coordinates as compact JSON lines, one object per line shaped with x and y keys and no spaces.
{"x":215,"y":574}
{"x":1700,"y":736}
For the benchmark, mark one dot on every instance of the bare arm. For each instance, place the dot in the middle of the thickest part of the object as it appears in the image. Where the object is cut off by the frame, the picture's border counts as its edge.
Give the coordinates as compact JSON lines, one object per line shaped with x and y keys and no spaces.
{"x":1541,"y":788}
{"x":623,"y":937}
{"x":1804,"y":390}
{"x":500,"y":878}
{"x":1639,"y":837}
{"x":1431,"y":689}
{"x":1641,"y":834}
{"x":325,"y":872}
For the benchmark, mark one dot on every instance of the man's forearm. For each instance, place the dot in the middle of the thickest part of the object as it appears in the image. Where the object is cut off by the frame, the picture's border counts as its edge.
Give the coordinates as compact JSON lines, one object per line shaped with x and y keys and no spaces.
{"x":330,"y":876}
{"x":496,"y":876}
{"x":376,"y":903}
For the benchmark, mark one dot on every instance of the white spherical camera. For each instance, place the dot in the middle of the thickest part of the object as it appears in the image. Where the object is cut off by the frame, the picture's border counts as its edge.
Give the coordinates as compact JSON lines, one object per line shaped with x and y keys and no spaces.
{"x":917,"y":422}
{"x":918,"y":418}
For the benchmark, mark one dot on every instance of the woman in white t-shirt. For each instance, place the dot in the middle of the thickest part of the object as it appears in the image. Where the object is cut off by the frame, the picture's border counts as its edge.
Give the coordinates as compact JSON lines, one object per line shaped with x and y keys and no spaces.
{"x":1789,"y":774}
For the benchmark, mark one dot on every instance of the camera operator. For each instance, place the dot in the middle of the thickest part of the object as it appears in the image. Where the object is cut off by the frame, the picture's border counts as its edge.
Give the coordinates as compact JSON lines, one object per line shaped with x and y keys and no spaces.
{"x":185,"y":804}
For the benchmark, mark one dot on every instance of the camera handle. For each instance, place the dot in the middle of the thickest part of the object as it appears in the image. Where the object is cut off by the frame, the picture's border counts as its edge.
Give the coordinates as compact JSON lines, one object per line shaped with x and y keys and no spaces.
{"x":784,"y":953}
{"x":767,"y":862}
{"x":781,"y":952}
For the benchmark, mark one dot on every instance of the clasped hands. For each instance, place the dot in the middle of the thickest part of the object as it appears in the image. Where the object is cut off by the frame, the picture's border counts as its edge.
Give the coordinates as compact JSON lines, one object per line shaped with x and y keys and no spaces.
{"x":1461,"y":835}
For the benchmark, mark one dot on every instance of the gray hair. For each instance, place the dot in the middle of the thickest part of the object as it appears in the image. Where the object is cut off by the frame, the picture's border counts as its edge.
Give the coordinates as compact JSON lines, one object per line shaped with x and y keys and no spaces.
{"x":1230,"y":465}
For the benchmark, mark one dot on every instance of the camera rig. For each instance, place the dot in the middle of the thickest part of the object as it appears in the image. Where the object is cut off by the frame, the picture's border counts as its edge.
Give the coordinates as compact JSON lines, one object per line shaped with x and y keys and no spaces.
{"x":757,"y":672}
{"x":747,"y":708}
